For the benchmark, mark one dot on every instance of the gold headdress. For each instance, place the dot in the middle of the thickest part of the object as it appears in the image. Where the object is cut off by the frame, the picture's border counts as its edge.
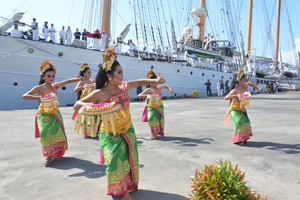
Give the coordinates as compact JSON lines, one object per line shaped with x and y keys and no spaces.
{"x":149,"y":74}
{"x":46,"y":64}
{"x":239,"y":74}
{"x":83,"y":66}
{"x":109,"y":58}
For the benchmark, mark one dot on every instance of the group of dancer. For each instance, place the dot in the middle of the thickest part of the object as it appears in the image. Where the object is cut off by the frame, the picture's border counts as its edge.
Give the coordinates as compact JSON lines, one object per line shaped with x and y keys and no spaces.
{"x":118,"y":144}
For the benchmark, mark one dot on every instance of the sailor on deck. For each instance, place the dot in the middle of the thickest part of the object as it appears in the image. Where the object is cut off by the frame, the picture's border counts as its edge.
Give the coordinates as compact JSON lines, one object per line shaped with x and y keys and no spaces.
{"x":62,"y":34}
{"x":167,"y":53}
{"x":52,"y":32}
{"x":120,"y":44}
{"x":69,"y":36}
{"x":158,"y":51}
{"x":145,"y":52}
{"x":96,"y":40}
{"x":103,"y":40}
{"x":35,"y":30}
{"x":225,"y":66}
{"x":193,"y":56}
{"x":45,"y":31}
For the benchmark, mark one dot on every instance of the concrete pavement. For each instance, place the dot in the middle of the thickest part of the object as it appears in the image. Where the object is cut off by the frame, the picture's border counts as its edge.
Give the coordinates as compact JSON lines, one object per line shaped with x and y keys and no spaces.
{"x":194,"y":136}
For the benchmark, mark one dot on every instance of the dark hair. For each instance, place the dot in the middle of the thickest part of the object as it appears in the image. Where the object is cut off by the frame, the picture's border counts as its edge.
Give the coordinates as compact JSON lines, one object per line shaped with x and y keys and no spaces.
{"x":152,"y":77}
{"x":234,"y":82}
{"x":42,"y":80}
{"x":101,"y":77}
{"x":81,"y":73}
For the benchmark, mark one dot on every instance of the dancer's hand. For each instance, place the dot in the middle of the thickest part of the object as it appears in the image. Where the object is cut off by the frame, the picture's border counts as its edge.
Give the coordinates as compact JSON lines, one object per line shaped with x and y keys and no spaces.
{"x":160,"y":79}
{"x":79,"y":77}
{"x":172,"y":90}
{"x":259,"y":88}
{"x":239,"y":96}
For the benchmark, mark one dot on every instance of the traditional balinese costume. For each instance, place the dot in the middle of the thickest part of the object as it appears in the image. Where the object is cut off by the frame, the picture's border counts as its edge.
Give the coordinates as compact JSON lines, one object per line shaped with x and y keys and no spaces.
{"x":154,"y":111}
{"x":85,"y":92}
{"x":238,"y":114}
{"x":49,"y":123}
{"x":118,"y":144}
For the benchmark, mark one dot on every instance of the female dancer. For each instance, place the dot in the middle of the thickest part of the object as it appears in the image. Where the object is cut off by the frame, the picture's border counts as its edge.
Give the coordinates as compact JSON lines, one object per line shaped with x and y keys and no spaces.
{"x":154,"y":116}
{"x":120,"y":150}
{"x":49,"y":122}
{"x":83,"y":89}
{"x":238,"y":113}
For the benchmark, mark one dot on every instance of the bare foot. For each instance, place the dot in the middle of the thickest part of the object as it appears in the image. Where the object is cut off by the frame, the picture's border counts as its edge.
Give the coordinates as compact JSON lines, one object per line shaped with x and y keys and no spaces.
{"x":240,"y":143}
{"x":126,"y":196}
{"x":152,"y":137}
{"x":48,"y":160}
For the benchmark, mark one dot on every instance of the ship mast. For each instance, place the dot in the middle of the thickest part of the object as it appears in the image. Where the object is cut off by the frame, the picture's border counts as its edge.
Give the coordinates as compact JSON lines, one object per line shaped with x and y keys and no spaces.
{"x":199,"y":15}
{"x":277,"y":33}
{"x":249,"y":27}
{"x":105,"y":24}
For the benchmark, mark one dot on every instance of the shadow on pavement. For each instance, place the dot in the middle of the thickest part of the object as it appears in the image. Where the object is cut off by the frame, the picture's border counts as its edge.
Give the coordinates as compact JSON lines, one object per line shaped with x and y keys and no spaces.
{"x":286,"y":148}
{"x":151,"y":195}
{"x":90,"y":169}
{"x":184,"y":141}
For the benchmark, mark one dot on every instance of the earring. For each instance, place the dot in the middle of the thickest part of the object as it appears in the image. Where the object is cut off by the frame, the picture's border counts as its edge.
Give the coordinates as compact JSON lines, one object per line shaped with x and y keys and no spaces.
{"x":110,"y":78}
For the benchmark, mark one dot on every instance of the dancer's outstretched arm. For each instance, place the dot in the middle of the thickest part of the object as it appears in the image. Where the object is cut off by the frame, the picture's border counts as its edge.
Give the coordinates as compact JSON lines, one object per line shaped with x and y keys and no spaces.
{"x":167,"y":87}
{"x":253,"y":85}
{"x":142,"y":82}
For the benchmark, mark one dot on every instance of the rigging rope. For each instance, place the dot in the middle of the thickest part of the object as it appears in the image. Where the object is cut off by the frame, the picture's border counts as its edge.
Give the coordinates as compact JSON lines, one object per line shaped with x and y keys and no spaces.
{"x":70,"y":12}
{"x":30,"y":6}
{"x":17,"y":8}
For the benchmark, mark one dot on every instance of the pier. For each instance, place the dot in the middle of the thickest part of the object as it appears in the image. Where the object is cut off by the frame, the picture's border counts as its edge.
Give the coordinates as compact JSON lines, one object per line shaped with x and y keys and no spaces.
{"x":194,"y":136}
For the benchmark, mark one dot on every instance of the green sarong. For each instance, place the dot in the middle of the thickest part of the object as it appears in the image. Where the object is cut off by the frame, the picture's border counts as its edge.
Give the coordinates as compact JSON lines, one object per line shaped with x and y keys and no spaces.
{"x":121,"y":156}
{"x":51,"y":131}
{"x":242,"y":126}
{"x":156,"y":120}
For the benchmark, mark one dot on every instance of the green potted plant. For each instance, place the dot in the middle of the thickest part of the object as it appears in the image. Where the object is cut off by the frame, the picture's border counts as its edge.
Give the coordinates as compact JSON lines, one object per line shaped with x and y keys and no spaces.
{"x":221,"y":181}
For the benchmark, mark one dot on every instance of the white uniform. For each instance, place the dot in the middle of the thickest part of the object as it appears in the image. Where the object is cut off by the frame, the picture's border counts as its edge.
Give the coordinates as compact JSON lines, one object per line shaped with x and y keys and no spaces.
{"x":46,"y":32}
{"x":131,"y":47}
{"x":52,"y":34}
{"x":193,"y":56}
{"x":219,"y":89}
{"x":96,"y":43}
{"x":62,"y":34}
{"x":220,"y":63}
{"x":225,"y":66}
{"x":69,"y":37}
{"x":120,"y":46}
{"x":103,"y":39}
{"x":35,"y":32}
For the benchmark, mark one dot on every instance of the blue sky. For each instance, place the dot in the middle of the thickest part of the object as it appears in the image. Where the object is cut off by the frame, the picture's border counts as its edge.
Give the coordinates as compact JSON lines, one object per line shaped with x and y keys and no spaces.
{"x":61,"y":12}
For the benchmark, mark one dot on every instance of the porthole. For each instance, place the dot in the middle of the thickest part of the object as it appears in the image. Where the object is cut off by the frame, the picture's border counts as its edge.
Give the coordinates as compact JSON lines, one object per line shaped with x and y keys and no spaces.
{"x":177,"y":70}
{"x":261,"y":81}
{"x":202,"y":74}
{"x":63,"y":88}
{"x":230,"y":78}
{"x":30,"y":50}
{"x":152,"y":67}
{"x":60,"y":54}
{"x":15,"y":84}
{"x":213,"y":75}
{"x":222,"y":77}
{"x":191,"y":73}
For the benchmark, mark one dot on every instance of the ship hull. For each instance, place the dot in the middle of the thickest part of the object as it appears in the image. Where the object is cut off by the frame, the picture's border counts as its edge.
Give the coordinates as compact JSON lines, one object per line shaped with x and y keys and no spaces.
{"x":19,"y":71}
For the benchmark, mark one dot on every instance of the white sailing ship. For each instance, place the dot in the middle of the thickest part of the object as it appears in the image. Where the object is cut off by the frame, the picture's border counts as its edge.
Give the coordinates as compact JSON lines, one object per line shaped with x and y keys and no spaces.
{"x":20,"y":58}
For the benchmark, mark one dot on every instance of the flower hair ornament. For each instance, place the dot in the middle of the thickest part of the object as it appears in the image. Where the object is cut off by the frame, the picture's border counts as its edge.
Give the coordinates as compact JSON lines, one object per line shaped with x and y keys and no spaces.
{"x":83,"y":66}
{"x":46,"y":64}
{"x":109,"y":58}
{"x":239,"y":74}
{"x":150,"y":73}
